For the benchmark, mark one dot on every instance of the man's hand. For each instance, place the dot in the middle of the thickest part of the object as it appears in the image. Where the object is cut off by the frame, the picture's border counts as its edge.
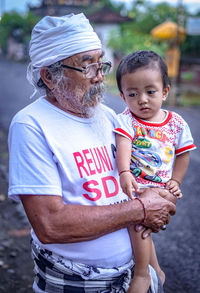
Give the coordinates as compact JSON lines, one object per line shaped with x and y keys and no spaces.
{"x":157,"y":209}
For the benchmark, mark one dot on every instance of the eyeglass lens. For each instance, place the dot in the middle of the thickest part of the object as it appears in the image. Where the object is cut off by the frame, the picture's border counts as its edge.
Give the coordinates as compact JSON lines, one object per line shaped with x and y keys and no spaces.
{"x":92,"y":70}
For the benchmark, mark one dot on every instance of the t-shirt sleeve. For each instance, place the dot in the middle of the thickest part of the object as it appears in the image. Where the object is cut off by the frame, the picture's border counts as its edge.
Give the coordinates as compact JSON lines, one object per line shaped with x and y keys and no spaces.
{"x":32,"y":169}
{"x":184,"y":141}
{"x":124,"y":126}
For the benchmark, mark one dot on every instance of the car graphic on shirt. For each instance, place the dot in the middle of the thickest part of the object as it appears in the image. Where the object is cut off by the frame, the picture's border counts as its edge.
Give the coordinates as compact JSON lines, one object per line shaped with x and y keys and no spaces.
{"x":144,"y":164}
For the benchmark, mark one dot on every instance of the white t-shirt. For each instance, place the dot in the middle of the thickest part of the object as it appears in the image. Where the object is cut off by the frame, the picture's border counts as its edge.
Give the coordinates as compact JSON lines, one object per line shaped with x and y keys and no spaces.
{"x":55,"y":153}
{"x":155,"y":145}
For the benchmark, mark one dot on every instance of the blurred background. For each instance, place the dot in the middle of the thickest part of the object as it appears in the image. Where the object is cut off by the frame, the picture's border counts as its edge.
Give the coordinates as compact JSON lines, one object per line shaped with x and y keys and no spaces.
{"x":172,"y":29}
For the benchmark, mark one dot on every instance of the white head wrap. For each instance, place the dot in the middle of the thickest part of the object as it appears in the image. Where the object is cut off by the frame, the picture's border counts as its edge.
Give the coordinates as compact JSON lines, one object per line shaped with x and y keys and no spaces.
{"x":57,"y":38}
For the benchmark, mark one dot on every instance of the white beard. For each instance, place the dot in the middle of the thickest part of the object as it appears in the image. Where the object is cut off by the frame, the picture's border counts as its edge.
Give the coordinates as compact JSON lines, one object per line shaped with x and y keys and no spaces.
{"x":92,"y":99}
{"x":72,"y":103}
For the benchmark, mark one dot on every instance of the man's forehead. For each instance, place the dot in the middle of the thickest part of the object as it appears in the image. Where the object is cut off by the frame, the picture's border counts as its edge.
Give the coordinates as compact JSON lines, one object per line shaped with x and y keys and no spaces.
{"x":87,"y":56}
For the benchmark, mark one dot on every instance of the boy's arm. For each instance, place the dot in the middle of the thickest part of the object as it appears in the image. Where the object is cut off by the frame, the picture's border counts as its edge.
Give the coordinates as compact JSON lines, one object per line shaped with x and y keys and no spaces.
{"x":180,"y":167}
{"x":179,"y":170}
{"x":123,"y":153}
{"x":127,"y":181}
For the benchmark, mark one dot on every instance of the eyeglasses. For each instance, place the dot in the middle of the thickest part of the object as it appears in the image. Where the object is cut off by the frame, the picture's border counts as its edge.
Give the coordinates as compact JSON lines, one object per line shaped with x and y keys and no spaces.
{"x":92,"y":69}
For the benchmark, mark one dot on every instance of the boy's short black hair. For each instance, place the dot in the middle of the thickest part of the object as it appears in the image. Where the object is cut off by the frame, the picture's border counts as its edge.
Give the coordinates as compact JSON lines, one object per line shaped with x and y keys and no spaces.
{"x":139,"y":59}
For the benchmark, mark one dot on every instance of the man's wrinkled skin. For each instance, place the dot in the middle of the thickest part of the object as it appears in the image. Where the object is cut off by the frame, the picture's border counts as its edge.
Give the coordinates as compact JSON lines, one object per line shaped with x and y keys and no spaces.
{"x":149,"y":195}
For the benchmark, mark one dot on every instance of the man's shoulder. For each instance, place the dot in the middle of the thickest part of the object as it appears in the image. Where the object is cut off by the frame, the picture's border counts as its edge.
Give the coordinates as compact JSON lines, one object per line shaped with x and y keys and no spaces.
{"x":106,"y":108}
{"x":108,"y":111}
{"x":29,"y":112}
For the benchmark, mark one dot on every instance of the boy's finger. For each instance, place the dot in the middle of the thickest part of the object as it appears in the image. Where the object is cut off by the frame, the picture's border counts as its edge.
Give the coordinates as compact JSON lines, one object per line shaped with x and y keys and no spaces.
{"x":130,"y":193}
{"x":168,"y":184}
{"x":177,"y":192}
{"x":180,"y":195}
{"x":174,"y":189}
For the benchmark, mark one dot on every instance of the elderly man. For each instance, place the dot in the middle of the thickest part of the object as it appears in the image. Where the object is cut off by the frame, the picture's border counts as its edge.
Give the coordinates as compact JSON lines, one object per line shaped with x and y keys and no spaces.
{"x":62,"y":168}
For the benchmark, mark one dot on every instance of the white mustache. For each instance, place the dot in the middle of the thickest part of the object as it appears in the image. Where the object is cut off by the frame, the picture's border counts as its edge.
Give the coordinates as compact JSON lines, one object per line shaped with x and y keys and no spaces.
{"x":95,"y":93}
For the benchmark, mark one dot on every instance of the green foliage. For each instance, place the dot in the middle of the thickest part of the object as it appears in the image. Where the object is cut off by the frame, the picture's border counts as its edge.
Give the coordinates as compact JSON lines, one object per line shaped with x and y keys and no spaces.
{"x":131,"y":41}
{"x":147,"y":15}
{"x":136,"y":35}
{"x":17,"y":26}
{"x":190,"y":99}
{"x":188,"y":76}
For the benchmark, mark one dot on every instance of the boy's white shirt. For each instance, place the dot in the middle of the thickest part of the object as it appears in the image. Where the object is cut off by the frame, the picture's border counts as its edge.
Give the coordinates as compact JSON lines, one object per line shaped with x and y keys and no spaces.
{"x":155,"y":145}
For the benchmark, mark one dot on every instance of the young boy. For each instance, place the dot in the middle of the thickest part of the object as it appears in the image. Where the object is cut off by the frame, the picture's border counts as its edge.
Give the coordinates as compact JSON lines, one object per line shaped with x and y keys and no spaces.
{"x":156,"y":142}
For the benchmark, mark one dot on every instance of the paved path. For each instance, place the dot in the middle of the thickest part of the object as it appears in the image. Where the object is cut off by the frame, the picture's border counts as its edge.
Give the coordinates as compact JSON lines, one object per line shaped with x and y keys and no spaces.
{"x":178,"y":246}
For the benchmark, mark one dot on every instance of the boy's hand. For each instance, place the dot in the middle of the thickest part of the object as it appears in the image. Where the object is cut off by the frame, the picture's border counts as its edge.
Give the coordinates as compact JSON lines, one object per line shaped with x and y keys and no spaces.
{"x":174,"y":187}
{"x":128,"y":184}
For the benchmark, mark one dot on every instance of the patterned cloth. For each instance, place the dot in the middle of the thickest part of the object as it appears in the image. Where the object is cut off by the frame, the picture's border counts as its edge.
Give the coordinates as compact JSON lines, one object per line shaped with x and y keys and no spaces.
{"x":62,"y":276}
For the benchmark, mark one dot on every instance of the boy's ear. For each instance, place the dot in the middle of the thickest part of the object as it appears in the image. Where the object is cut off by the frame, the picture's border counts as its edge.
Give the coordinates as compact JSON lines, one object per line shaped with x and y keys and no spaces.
{"x":122,"y":96}
{"x":166,"y":92}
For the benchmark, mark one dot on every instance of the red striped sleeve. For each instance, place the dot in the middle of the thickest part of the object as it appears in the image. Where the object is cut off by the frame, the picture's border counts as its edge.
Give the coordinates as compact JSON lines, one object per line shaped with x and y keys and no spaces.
{"x":123,"y":132}
{"x":185,"y":149}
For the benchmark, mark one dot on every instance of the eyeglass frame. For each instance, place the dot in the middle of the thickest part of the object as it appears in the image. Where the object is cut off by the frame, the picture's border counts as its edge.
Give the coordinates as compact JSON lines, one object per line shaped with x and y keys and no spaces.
{"x":83,"y":70}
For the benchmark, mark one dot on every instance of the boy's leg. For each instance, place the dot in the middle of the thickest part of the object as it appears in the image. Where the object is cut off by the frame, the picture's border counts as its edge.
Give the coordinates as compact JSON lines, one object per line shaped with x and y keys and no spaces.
{"x":142,"y":249}
{"x":154,"y":263}
{"x":145,"y":254}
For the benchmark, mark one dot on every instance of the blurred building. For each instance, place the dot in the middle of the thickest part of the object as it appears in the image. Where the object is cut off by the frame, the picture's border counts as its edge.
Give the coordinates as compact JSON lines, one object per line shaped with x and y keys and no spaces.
{"x":106,"y":21}
{"x":62,"y":7}
{"x":193,"y":26}
{"x":103,"y":18}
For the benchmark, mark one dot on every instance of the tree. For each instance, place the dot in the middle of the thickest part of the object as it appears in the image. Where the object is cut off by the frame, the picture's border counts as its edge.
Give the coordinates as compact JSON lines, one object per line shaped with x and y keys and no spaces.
{"x":16,"y":26}
{"x":130,"y":40}
{"x":136,"y":35}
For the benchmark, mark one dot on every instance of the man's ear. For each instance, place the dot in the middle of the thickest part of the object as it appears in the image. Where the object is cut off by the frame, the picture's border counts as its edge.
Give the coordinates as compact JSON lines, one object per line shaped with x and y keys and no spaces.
{"x":46,"y":78}
{"x":166,"y":92}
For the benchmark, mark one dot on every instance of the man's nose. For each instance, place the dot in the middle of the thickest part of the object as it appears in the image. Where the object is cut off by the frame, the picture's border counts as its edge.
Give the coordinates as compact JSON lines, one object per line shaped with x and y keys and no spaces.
{"x":99,"y":77}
